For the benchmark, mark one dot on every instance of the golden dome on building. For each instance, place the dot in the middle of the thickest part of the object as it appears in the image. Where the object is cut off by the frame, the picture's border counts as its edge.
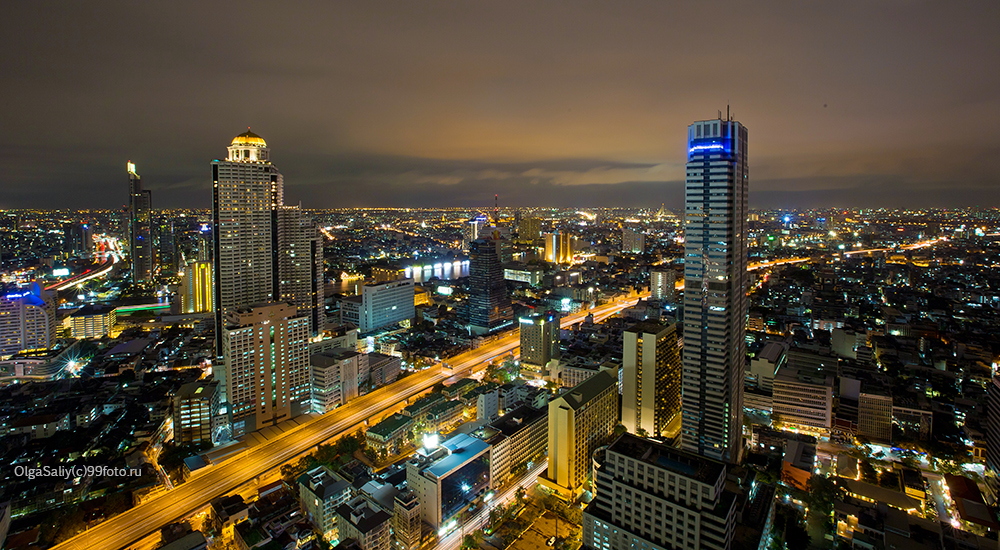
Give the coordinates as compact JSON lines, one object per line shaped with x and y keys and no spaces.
{"x":249,"y":138}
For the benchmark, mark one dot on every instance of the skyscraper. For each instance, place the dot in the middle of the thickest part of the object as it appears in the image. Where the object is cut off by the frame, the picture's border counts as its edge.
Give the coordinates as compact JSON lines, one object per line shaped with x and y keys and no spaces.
{"x":140,"y":205}
{"x":196,"y":288}
{"x":663,"y":284}
{"x":539,"y":344}
{"x":490,"y":308}
{"x":300,"y":265}
{"x":473,"y":229}
{"x":559,"y":247}
{"x":246,"y":190}
{"x":27,"y":320}
{"x":715,"y":302}
{"x":651,"y":380}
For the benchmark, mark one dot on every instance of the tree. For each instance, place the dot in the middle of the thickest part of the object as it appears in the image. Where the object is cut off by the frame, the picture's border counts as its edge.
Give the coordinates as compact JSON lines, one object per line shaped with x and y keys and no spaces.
{"x":519,"y":496}
{"x":868,"y":473}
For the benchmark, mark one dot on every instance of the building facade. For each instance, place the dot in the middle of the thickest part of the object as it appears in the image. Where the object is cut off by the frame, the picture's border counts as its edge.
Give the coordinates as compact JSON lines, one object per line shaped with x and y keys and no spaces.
{"x":539,"y":345}
{"x":266,"y":371}
{"x":489,"y":305}
{"x":300,"y":265}
{"x":194,"y":407}
{"x":651,"y":380}
{"x":580,"y":420}
{"x":652,"y":496}
{"x":28,"y":320}
{"x":715,"y":285}
{"x":633,"y":241}
{"x":92,"y":321}
{"x":196,"y":288}
{"x":321,"y":493}
{"x":663,"y":285}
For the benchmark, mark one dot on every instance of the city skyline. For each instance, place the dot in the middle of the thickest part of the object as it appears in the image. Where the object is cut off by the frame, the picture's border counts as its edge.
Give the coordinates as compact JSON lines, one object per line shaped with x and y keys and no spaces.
{"x":440,"y":107}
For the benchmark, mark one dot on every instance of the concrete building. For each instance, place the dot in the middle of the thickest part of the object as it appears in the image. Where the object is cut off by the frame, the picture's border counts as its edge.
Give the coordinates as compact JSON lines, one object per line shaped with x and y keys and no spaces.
{"x":140,"y":210}
{"x":367,"y":524}
{"x":651,"y":380}
{"x":715,"y":300}
{"x":993,"y":433}
{"x":540,"y":345}
{"x":449,"y":478}
{"x":266,"y":370}
{"x":335,"y":377}
{"x":406,"y":524}
{"x":92,"y":321}
{"x":196,"y":288}
{"x":580,"y":420}
{"x":527,"y":274}
{"x":379,"y":306}
{"x":300,"y":265}
{"x":633,"y":241}
{"x":474,"y":229}
{"x":515,"y":439}
{"x":657,"y":497}
{"x":195,"y":406}
{"x":321,"y":493}
{"x":529,"y":229}
{"x":803,"y":394}
{"x":663,"y":285}
{"x":875,"y":416}
{"x":28,"y":320}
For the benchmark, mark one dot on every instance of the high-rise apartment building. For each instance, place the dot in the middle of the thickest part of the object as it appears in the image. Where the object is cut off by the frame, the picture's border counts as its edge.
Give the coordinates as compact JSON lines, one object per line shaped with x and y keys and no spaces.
{"x":715,"y":284}
{"x":651,"y":380}
{"x":196,"y":288}
{"x":265,"y":375}
{"x":300,"y":265}
{"x":490,"y":308}
{"x":650,"y":495}
{"x":633,"y":241}
{"x":246,"y":191}
{"x":580,"y":420}
{"x":663,"y":285}
{"x":559,"y":247}
{"x":379,"y":305}
{"x":140,"y":209}
{"x":474,"y":229}
{"x":529,"y":229}
{"x":993,"y":433}
{"x":539,"y":344}
{"x":195,"y":405}
{"x":875,"y":416}
{"x":92,"y":321}
{"x":28,"y":320}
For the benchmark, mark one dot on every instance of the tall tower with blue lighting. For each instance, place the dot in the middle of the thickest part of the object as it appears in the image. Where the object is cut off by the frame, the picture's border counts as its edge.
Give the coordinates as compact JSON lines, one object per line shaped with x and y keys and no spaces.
{"x":715,"y":285}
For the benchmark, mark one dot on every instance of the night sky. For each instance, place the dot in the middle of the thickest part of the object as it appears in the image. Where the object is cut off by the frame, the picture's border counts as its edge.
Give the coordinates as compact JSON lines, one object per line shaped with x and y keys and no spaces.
{"x":882,"y":104}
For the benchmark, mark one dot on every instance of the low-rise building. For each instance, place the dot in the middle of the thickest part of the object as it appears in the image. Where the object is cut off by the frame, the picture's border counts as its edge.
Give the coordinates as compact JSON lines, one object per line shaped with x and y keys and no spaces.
{"x":515,"y":439}
{"x":321,"y":493}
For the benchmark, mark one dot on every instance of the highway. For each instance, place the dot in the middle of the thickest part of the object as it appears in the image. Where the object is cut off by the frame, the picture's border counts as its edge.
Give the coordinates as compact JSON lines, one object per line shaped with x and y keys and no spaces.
{"x":218,"y":480}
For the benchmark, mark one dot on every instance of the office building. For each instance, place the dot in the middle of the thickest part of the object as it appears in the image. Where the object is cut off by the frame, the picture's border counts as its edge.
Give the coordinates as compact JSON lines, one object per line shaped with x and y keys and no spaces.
{"x":715,"y":283}
{"x":580,"y":420}
{"x":540,"y":345}
{"x":633,"y":241}
{"x":529,"y":229}
{"x":321,"y":493}
{"x":195,"y":405}
{"x":489,"y":305}
{"x":524,"y":274}
{"x":650,"y":495}
{"x":803,"y":394}
{"x":663,"y":285}
{"x":28,"y":320}
{"x":335,"y":376}
{"x":265,"y":375}
{"x":140,"y":209}
{"x":164,"y":245}
{"x":387,"y":273}
{"x":365,"y":523}
{"x":300,"y":265}
{"x":196,"y":288}
{"x":379,"y":306}
{"x":449,"y":478}
{"x":246,"y":191}
{"x":515,"y":439}
{"x":875,"y":416}
{"x":559,"y":247}
{"x":651,"y":380}
{"x":79,"y":240}
{"x":92,"y":321}
{"x":406,"y":524}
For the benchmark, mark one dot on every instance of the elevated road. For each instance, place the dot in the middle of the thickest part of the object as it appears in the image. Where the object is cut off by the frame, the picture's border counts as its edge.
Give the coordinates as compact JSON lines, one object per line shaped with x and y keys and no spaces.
{"x":144,"y":519}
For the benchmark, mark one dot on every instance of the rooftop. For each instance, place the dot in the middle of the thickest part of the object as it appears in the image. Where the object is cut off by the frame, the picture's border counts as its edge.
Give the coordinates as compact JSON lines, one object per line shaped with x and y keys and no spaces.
{"x":681,"y":462}
{"x":461,"y":449}
{"x":514,"y":421}
{"x":590,"y":388}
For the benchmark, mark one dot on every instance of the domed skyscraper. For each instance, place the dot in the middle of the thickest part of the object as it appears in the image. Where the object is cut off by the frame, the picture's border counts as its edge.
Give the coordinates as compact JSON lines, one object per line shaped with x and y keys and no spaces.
{"x":267,"y":275}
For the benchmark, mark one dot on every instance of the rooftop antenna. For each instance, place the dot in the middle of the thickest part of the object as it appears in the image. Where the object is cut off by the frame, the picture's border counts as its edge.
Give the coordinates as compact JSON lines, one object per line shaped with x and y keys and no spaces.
{"x":728,"y":116}
{"x":496,"y":210}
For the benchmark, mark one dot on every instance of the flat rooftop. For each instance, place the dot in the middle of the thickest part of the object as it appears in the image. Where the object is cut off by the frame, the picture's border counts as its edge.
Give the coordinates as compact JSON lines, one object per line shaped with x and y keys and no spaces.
{"x":516,"y":420}
{"x":461,"y":449}
{"x":680,"y":462}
